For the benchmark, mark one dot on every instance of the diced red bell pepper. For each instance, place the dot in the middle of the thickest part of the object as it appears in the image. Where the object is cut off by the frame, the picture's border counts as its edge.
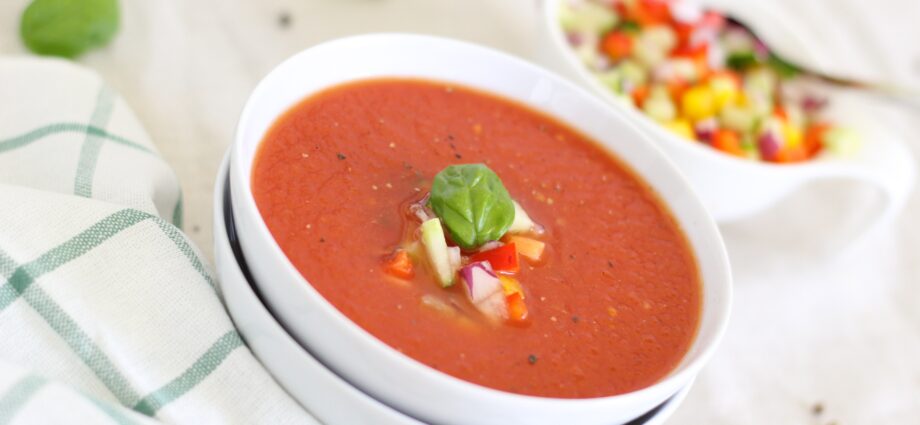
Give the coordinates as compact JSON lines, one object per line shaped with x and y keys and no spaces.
{"x":727,"y":141}
{"x":617,"y":45}
{"x":780,"y":112}
{"x":813,"y":138}
{"x":792,"y":154}
{"x":503,"y":259}
{"x":651,"y":12}
{"x":399,"y":265}
{"x":517,"y":309}
{"x":639,"y":94}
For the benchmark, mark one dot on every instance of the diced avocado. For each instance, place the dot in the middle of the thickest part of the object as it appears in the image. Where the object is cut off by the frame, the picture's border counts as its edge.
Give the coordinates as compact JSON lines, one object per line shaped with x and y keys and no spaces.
{"x":436,"y":247}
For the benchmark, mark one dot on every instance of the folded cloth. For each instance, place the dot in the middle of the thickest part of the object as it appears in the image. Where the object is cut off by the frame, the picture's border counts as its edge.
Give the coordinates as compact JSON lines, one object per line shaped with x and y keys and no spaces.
{"x":107,"y":312}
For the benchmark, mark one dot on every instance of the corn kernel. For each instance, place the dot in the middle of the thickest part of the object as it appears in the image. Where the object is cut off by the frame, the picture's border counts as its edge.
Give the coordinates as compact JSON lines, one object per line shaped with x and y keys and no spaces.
{"x":681,"y":127}
{"x":698,"y":103}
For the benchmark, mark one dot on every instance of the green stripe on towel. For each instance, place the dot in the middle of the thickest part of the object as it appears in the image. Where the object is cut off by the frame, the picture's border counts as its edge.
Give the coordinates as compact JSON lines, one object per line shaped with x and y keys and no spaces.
{"x":92,"y":144}
{"x":82,"y":345}
{"x":201,"y":369}
{"x":66,"y":127}
{"x":80,"y":244}
{"x":20,"y":283}
{"x":17,"y":397}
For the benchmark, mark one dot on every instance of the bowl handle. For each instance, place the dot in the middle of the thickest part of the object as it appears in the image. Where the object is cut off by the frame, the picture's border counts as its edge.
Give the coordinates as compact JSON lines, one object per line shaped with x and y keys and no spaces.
{"x":890,"y":167}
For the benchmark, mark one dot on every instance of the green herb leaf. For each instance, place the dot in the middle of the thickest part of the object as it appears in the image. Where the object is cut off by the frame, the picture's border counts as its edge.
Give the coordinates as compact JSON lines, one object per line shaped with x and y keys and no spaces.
{"x":630,"y":27}
{"x":783,"y":68}
{"x":68,"y":28}
{"x":472,"y":203}
{"x":739,"y":61}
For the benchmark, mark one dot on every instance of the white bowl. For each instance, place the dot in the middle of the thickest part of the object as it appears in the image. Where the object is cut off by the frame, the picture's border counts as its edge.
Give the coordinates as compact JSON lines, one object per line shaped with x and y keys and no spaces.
{"x":324,"y":394}
{"x":372,"y":365}
{"x":734,"y":188}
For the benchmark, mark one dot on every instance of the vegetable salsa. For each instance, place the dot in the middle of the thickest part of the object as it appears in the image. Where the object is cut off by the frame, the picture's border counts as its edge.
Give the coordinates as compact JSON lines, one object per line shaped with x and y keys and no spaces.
{"x":479,"y":237}
{"x":703,"y":77}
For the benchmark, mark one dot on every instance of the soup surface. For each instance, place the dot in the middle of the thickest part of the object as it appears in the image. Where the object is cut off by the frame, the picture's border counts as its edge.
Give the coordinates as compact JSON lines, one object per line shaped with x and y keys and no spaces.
{"x":614,"y":304}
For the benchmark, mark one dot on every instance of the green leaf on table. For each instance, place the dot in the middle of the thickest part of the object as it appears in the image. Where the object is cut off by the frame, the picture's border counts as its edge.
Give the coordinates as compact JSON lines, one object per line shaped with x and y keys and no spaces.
{"x":472,"y":203}
{"x":68,"y":28}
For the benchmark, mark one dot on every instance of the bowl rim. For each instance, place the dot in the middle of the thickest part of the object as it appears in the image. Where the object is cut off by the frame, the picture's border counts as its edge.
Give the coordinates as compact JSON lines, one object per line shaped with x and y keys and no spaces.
{"x":709,"y":230}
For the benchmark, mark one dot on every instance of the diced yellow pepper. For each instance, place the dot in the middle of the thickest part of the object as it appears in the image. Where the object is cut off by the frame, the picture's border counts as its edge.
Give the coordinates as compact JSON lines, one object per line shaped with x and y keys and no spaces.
{"x":681,"y":127}
{"x":529,"y":248}
{"x":792,"y":135}
{"x":510,"y":286}
{"x":724,"y":91}
{"x":698,"y":103}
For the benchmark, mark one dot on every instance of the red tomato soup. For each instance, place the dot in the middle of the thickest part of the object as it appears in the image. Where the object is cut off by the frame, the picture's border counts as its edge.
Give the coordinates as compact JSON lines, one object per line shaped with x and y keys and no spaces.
{"x":613,"y":304}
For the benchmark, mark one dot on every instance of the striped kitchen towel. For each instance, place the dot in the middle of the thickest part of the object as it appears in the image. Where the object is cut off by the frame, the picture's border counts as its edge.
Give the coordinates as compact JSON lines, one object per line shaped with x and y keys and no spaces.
{"x":108,"y":314}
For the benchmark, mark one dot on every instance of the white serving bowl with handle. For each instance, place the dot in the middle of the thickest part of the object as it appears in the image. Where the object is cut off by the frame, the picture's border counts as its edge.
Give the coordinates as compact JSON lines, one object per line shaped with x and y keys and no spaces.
{"x":734,"y":188}
{"x":375,"y":367}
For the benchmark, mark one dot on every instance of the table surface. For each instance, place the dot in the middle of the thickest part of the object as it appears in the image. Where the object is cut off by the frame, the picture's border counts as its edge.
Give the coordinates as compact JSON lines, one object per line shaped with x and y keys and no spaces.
{"x":814,"y":338}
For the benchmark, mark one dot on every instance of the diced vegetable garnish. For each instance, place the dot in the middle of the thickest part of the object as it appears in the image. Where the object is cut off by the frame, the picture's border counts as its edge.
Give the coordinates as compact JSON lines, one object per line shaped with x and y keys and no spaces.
{"x":503,"y":259}
{"x":399,"y":265}
{"x":681,"y":128}
{"x":529,"y":248}
{"x":522,"y":222}
{"x":842,"y":141}
{"x":727,"y":141}
{"x":470,"y":196}
{"x":517,"y":309}
{"x":617,"y":45}
{"x":699,"y":74}
{"x":510,"y":286}
{"x":480,"y":280}
{"x":484,"y":289}
{"x":436,"y":248}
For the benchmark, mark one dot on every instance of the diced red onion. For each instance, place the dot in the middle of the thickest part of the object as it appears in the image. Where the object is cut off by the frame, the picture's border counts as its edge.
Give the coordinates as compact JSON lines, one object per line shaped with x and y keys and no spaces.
{"x":481,"y":282}
{"x":705,"y":129}
{"x":575,"y":39}
{"x":760,"y":49}
{"x":495,"y":307}
{"x":769,"y":144}
{"x":420,"y":209}
{"x":812,"y":103}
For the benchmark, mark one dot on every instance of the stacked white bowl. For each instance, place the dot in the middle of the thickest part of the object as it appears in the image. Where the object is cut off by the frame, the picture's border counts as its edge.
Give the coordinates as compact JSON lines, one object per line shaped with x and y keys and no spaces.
{"x":342,"y":373}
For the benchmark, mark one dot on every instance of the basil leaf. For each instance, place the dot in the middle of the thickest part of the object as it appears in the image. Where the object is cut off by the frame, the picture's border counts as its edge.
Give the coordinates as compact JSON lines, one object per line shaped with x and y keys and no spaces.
{"x":472,"y":203}
{"x":68,"y":28}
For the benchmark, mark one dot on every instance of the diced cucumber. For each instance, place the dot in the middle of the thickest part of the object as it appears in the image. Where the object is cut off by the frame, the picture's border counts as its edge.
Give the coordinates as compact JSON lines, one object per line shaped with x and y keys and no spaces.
{"x":842,"y":141}
{"x":588,"y":16}
{"x":660,"y":108}
{"x":737,"y":118}
{"x":632,"y":72}
{"x":436,"y":247}
{"x":611,"y":78}
{"x":522,"y":222}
